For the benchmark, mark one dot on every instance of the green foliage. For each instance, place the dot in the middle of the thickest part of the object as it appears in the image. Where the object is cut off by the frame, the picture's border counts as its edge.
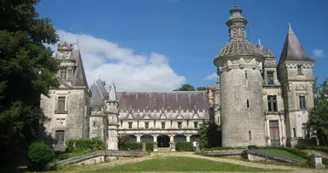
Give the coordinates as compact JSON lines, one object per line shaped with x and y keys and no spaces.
{"x":201,"y":88}
{"x":318,"y":117}
{"x":131,"y":146}
{"x":84,"y":145}
{"x":40,"y":155}
{"x":318,"y":148}
{"x":223,"y":148}
{"x":186,"y":87}
{"x":209,"y":135}
{"x":184,"y":146}
{"x":150,"y":146}
{"x":27,"y":70}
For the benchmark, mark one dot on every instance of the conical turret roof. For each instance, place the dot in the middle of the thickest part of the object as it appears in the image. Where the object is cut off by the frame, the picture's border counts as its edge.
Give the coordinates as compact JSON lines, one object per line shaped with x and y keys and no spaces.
{"x":293,"y":50}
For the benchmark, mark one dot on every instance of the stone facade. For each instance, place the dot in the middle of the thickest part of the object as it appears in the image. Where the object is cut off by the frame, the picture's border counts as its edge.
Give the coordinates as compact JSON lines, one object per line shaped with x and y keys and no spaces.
{"x":255,"y":101}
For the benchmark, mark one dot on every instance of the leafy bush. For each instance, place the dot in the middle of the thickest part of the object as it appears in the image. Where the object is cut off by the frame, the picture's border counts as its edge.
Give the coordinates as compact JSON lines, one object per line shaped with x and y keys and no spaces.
{"x":40,"y":155}
{"x":223,"y":148}
{"x":150,"y":146}
{"x":318,"y":148}
{"x":184,"y":146}
{"x":84,"y":145}
{"x":134,"y":146}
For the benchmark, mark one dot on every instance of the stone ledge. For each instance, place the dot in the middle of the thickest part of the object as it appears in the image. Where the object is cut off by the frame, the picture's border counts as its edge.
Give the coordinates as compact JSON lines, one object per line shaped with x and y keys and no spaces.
{"x":273,"y":157}
{"x":221,"y":152}
{"x":97,"y":154}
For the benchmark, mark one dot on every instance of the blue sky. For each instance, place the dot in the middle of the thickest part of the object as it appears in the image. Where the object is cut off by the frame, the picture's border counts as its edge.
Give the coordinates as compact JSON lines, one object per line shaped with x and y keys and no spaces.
{"x":182,"y":37}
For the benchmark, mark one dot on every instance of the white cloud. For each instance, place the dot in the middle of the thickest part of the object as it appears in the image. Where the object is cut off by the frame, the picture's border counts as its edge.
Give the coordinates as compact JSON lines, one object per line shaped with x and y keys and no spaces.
{"x":129,"y":71}
{"x":212,"y":76}
{"x":318,"y":53}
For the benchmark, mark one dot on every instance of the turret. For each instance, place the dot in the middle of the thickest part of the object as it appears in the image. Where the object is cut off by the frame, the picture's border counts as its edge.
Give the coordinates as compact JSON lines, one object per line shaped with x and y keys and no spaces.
{"x":295,"y":73}
{"x":239,"y":66}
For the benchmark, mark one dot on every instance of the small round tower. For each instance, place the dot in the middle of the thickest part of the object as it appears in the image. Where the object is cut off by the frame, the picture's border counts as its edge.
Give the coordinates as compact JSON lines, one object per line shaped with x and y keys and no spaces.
{"x":239,"y":65}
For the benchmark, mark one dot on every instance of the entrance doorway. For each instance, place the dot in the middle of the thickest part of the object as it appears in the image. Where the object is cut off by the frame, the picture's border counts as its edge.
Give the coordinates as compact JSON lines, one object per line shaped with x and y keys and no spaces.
{"x":163,"y":141}
{"x":60,"y":140}
{"x":274,"y":133}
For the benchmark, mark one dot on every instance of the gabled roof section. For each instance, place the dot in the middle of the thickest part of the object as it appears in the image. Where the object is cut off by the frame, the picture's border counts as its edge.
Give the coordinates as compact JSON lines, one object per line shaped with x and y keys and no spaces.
{"x":79,"y":75}
{"x":293,"y":50}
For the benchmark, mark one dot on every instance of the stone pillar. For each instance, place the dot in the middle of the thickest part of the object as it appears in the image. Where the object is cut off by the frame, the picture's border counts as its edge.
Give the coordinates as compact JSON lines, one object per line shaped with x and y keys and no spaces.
{"x":283,"y":130}
{"x":144,"y":147}
{"x":155,"y":143}
{"x":138,"y":138}
{"x":172,"y":143}
{"x":188,"y":138}
{"x":268,"y":132}
{"x":316,"y":161}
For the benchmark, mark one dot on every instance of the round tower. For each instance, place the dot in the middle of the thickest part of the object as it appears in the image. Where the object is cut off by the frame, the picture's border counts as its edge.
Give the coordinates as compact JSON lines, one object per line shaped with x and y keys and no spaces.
{"x":239,"y":65}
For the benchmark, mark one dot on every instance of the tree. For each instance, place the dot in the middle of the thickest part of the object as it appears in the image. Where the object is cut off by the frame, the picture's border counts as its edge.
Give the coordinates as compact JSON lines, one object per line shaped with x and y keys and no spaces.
{"x":186,"y":87}
{"x":318,"y":117}
{"x":27,"y":70}
{"x":201,"y":88}
{"x":209,"y":135}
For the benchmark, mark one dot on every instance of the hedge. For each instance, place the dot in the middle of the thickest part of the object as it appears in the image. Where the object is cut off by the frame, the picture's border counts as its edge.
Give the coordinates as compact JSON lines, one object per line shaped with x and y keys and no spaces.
{"x":318,"y":148}
{"x":84,"y":145}
{"x":184,"y":146}
{"x":136,"y":146}
{"x":40,"y":155}
{"x":224,"y":148}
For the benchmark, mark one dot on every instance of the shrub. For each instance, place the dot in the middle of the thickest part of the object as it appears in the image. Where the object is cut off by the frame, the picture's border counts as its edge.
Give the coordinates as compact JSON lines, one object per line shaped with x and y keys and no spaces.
{"x":223,"y":148}
{"x":84,"y":145}
{"x":150,"y":146}
{"x":40,"y":155}
{"x":184,"y":146}
{"x":134,"y":146}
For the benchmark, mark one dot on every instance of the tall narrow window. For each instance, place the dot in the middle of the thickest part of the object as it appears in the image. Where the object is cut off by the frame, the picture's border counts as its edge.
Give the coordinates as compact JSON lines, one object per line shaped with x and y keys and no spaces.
{"x":245,"y":74}
{"x":250,"y":135}
{"x":163,"y":125}
{"x":270,"y":77}
{"x":272,"y":104}
{"x":63,"y":74}
{"x":299,"y":69}
{"x":130,"y":125}
{"x":294,"y":132}
{"x":195,"y":125}
{"x":179,"y":125}
{"x":302,"y":102}
{"x":60,"y":136}
{"x":61,"y":103}
{"x":146,"y":125}
{"x":247,"y":103}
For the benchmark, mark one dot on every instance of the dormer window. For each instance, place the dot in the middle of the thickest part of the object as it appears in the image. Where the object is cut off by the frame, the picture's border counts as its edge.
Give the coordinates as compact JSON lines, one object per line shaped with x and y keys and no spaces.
{"x":63,"y":74}
{"x":270,"y":77}
{"x":299,"y":69}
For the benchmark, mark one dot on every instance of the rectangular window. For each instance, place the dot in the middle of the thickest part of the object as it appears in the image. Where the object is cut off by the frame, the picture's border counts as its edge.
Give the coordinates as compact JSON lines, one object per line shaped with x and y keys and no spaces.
{"x":163,"y":125}
{"x":270,"y":77}
{"x":299,"y":69}
{"x":179,"y":125}
{"x":130,"y":125}
{"x":195,"y":125}
{"x":60,"y":135}
{"x":245,"y":74}
{"x":302,"y":102}
{"x":250,"y":135}
{"x":61,"y":103}
{"x":247,"y":103}
{"x":63,"y":74}
{"x":146,"y":125}
{"x":294,"y":132}
{"x":272,"y":104}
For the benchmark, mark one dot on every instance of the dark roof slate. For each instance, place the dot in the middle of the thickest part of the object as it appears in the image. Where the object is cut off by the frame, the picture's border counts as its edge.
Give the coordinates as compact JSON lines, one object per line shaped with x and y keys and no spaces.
{"x":293,"y":50}
{"x":167,"y":100}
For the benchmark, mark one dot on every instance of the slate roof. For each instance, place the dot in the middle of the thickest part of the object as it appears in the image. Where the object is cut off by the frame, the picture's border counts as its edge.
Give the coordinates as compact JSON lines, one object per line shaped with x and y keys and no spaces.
{"x":292,"y":49}
{"x":99,"y":93}
{"x":79,"y":75}
{"x":168,"y":100}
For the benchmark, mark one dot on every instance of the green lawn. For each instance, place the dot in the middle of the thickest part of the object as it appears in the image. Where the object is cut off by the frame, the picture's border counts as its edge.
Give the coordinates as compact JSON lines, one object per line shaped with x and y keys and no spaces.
{"x":180,"y":164}
{"x":284,"y":153}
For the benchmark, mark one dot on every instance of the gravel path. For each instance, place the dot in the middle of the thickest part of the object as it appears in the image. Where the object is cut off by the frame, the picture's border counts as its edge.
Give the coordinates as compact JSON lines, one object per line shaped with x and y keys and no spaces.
{"x":122,"y":161}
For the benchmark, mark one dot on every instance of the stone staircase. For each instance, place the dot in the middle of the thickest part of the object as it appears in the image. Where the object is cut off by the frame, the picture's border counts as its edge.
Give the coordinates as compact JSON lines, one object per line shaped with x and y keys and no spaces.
{"x":164,"y":149}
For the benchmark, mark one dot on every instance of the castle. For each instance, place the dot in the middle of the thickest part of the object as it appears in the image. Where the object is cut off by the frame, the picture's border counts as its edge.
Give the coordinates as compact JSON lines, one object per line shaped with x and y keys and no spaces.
{"x":256,"y":101}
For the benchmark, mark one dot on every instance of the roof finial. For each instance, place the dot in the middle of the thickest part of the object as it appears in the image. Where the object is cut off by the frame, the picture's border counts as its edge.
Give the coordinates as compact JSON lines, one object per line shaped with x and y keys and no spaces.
{"x":259,"y":45}
{"x":290,"y":31}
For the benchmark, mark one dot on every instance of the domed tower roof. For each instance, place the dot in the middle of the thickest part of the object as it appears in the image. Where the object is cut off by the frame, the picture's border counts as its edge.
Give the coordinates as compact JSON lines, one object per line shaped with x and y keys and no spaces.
{"x":238,"y":43}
